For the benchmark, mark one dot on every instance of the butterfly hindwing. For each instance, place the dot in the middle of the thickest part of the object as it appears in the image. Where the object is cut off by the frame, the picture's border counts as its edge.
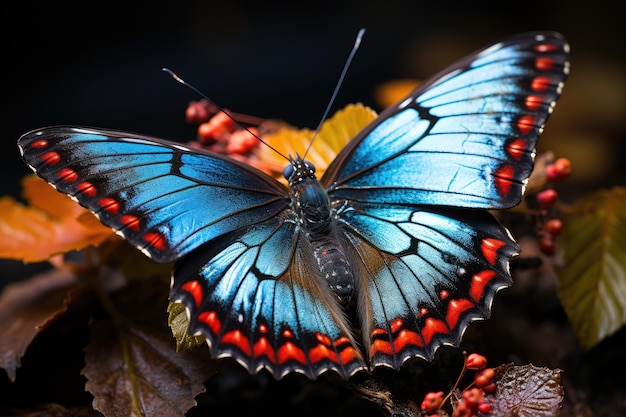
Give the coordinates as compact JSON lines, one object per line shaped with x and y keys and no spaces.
{"x":259,"y":301}
{"x":162,"y":197}
{"x":465,"y":138}
{"x":426,"y":274}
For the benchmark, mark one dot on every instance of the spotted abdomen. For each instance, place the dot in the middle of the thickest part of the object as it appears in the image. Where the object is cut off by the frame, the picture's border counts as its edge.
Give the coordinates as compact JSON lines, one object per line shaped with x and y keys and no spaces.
{"x":335,"y":268}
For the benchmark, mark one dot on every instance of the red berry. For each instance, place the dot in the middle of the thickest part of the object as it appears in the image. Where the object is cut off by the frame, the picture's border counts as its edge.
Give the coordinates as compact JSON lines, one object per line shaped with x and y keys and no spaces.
{"x":473,"y":397}
{"x":490,"y":389}
{"x":485,"y":408}
{"x":547,"y":198}
{"x":197,"y":112}
{"x":554,"y":226}
{"x":546,"y":244}
{"x":242,"y":141}
{"x":476,"y":362}
{"x":432,"y":401}
{"x":559,"y":170}
{"x":484,"y":377}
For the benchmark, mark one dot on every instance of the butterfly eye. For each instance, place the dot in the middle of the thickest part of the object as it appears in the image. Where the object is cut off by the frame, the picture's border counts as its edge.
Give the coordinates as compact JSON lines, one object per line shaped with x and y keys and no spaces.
{"x":288,"y":171}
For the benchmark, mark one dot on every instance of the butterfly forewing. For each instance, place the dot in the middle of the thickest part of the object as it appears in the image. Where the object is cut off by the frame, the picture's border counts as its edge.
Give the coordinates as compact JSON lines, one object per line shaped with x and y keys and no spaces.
{"x":464,"y":138}
{"x":162,"y":197}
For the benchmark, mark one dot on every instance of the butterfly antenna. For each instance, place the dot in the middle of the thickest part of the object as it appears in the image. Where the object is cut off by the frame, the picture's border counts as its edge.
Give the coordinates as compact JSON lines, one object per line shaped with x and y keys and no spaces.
{"x":230,"y":116}
{"x":355,"y":47}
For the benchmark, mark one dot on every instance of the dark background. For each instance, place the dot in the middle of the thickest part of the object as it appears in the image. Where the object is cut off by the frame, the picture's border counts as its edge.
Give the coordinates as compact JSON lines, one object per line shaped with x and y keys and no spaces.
{"x":99,"y":64}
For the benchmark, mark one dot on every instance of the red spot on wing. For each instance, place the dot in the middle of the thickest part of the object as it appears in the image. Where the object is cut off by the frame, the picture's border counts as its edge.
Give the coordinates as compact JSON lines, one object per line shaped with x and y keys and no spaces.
{"x":433,"y":326}
{"x":456,"y":308}
{"x":288,"y":333}
{"x":504,"y":178}
{"x":87,"y":188}
{"x":109,"y":204}
{"x":263,"y":329}
{"x":289,"y":351}
{"x":349,"y":354}
{"x":544,"y":64}
{"x":155,"y":239}
{"x":545,"y":47}
{"x":407,"y":338}
{"x":489,"y":247}
{"x":540,"y":84}
{"x":479,"y":282}
{"x":67,"y":175}
{"x":533,"y":103}
{"x":443,"y":294}
{"x":396,"y":325}
{"x":39,"y":144}
{"x":323,"y":339}
{"x":262,"y":347}
{"x":130,"y":221}
{"x":381,"y":346}
{"x":238,"y":339}
{"x":51,"y":158}
{"x":517,"y":148}
{"x":321,"y":352}
{"x":195,"y":290}
{"x":525,"y":124}
{"x":211,"y":319}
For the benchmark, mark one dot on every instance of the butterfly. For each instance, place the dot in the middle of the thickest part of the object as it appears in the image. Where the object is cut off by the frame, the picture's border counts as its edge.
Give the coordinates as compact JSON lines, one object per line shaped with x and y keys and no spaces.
{"x":391,"y":254}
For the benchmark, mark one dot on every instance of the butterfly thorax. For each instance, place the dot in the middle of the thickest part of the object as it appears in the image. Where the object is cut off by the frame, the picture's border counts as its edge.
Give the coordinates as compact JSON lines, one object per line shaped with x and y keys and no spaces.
{"x":311,"y":207}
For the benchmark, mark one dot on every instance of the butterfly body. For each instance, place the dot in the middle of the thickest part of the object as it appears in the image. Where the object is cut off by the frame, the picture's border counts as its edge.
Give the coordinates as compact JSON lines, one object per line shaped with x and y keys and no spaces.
{"x":388,"y":256}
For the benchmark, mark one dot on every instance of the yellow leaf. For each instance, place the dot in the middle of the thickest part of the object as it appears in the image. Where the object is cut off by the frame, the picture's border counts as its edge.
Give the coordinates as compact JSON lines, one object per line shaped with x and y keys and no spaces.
{"x":592,"y":283}
{"x":334,"y":134}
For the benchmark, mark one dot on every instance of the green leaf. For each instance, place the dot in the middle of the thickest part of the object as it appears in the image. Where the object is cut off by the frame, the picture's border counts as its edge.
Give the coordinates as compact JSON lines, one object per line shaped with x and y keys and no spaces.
{"x":592,"y":282}
{"x":179,"y":322}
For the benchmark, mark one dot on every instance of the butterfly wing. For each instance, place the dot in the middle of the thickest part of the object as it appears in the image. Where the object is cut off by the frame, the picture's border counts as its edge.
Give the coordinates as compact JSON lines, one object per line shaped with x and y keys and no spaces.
{"x":426,"y":273}
{"x":408,"y":187}
{"x":162,"y":197}
{"x":466,"y":137}
{"x":242,"y":272}
{"x":258,"y":300}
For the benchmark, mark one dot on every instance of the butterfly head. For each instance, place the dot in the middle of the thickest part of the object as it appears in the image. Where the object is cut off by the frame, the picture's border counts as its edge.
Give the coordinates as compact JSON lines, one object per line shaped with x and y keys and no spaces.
{"x":298,"y":170}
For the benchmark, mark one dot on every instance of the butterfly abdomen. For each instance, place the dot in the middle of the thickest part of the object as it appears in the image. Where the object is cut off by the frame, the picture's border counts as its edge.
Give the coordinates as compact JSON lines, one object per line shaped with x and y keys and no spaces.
{"x":335,"y":268}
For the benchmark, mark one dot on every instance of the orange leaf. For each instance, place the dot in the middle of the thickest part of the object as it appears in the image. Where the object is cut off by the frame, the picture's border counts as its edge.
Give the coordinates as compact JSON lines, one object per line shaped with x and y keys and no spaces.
{"x":392,"y":92}
{"x":33,"y":235}
{"x":42,"y":196}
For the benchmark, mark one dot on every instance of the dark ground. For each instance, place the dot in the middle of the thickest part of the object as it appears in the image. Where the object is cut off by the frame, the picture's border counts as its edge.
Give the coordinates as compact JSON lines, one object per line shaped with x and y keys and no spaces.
{"x":100,"y":65}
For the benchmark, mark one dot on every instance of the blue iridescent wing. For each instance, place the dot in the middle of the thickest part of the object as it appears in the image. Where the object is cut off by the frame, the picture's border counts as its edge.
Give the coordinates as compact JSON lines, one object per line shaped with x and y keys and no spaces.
{"x":162,"y":197}
{"x":463,"y":139}
{"x":257,"y":300}
{"x":466,"y":137}
{"x":242,"y":272}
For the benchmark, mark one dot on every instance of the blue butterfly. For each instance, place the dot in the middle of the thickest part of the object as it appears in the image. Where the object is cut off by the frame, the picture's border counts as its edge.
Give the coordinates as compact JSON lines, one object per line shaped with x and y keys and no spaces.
{"x":391,"y":254}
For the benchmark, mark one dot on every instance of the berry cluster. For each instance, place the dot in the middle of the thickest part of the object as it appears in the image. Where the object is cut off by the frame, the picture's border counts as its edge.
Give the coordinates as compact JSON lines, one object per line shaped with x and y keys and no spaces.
{"x":472,"y":400}
{"x":222,"y":131}
{"x":549,"y":225}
